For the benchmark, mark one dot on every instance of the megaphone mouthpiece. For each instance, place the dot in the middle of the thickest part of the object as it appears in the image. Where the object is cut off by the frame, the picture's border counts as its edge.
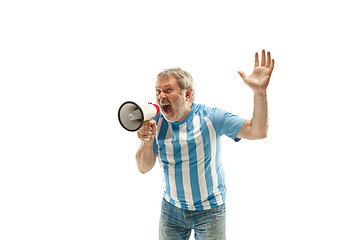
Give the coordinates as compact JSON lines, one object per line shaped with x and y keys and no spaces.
{"x":131,"y":115}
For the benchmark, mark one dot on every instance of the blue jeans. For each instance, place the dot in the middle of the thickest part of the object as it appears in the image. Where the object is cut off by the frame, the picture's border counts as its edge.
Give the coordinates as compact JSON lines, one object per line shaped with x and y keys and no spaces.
{"x":176,"y":223}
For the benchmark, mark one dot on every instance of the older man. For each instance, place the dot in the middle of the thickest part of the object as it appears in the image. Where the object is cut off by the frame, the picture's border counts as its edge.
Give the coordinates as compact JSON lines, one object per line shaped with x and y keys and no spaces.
{"x":185,"y":138}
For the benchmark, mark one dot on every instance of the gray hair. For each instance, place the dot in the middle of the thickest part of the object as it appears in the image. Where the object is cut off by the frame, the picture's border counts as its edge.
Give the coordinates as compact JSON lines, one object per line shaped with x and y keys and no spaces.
{"x":183,"y":78}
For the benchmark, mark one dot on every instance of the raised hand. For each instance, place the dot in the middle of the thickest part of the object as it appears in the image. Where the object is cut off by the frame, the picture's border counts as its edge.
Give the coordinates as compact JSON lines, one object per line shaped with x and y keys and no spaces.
{"x":260,"y":77}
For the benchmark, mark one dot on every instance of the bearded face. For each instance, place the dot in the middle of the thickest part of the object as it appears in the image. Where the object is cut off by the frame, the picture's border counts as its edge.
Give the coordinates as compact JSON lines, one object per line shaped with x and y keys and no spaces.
{"x":171,"y":99}
{"x":173,"y":111}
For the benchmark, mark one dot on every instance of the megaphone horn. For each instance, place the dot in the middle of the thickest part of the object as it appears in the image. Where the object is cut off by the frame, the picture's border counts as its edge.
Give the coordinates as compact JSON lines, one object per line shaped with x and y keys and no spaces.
{"x":131,"y":116}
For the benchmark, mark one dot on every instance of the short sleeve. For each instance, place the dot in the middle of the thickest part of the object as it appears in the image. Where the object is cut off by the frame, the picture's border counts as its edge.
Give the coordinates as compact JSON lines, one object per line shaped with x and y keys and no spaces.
{"x":228,"y":123}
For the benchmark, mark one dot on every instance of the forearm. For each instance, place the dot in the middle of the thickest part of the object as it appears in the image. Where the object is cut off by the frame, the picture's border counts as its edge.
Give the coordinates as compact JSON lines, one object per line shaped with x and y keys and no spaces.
{"x":257,"y":127}
{"x":259,"y":121}
{"x":145,"y":157}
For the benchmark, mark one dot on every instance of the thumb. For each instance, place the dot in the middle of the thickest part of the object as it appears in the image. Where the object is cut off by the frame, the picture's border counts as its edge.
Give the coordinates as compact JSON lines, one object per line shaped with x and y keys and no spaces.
{"x":152,"y":123}
{"x":242,"y":75}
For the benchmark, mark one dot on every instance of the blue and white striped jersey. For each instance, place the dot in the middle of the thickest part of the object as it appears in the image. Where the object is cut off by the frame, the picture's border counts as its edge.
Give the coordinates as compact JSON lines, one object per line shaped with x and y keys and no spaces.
{"x":189,"y":155}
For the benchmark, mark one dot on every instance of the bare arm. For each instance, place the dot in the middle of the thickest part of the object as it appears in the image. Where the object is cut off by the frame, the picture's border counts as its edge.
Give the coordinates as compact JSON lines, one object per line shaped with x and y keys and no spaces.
{"x":256,"y":128}
{"x":145,"y":157}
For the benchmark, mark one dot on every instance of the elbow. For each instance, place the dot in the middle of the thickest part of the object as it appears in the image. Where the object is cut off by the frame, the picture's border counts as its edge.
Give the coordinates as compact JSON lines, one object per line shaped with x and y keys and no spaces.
{"x":263,"y":135}
{"x":142,"y":171}
{"x":143,"y":167}
{"x":255,"y":131}
{"x":259,"y":135}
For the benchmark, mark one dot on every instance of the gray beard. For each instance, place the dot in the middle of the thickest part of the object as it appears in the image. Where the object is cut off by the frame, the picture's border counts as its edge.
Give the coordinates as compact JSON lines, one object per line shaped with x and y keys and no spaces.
{"x":179,"y":107}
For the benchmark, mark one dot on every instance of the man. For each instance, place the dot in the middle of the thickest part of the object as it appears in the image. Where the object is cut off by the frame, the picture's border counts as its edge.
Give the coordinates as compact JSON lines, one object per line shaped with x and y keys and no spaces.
{"x":185,"y":138}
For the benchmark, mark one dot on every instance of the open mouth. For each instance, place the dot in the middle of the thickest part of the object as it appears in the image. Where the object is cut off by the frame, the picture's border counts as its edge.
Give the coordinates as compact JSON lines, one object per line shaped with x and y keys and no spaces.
{"x":166,"y":108}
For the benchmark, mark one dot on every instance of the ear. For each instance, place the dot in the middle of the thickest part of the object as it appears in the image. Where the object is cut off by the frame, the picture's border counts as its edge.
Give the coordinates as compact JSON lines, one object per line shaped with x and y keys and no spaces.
{"x":188,"y":94}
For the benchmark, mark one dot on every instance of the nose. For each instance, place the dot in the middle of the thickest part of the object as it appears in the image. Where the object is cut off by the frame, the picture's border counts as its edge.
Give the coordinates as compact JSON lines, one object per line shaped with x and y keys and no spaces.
{"x":162,"y":95}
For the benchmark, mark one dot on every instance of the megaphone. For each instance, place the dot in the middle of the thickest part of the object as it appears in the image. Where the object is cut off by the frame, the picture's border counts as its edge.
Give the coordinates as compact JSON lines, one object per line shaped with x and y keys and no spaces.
{"x":131,"y":116}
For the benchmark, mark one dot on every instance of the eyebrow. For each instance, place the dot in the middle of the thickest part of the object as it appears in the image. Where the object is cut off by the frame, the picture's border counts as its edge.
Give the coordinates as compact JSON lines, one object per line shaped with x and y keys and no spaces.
{"x":167,"y":85}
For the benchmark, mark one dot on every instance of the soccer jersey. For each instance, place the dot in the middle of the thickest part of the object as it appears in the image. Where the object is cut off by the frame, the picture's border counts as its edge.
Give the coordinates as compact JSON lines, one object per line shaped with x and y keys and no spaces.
{"x":189,"y":156}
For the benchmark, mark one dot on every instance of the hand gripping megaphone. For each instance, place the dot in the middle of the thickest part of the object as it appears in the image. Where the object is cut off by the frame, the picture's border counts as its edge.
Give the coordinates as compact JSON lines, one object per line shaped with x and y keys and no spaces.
{"x":131,"y":116}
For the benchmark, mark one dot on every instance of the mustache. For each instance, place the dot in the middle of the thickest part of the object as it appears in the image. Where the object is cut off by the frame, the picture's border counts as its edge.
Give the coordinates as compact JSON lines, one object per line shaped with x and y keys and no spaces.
{"x":164,"y":102}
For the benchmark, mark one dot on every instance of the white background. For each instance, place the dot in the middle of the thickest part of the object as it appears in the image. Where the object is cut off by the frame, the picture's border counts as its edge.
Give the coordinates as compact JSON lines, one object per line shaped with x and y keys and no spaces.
{"x":67,"y":168}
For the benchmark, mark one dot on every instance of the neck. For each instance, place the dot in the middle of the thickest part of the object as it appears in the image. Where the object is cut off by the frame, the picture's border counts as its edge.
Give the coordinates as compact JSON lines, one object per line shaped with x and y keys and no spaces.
{"x":186,"y":112}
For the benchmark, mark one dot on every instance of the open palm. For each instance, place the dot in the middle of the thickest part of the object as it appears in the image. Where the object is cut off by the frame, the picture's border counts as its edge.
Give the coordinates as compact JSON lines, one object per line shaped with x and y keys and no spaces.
{"x":260,"y":77}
